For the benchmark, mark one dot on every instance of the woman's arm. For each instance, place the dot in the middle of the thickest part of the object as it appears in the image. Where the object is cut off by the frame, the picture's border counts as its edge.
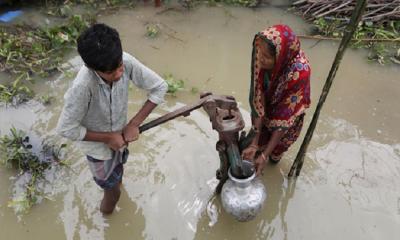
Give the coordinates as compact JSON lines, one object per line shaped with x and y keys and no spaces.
{"x":251,"y":150}
{"x":273,"y":141}
{"x":256,"y":125}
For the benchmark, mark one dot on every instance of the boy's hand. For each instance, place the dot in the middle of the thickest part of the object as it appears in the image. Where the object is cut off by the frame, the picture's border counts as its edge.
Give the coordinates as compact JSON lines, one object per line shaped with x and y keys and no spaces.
{"x":131,"y":133}
{"x":115,"y":141}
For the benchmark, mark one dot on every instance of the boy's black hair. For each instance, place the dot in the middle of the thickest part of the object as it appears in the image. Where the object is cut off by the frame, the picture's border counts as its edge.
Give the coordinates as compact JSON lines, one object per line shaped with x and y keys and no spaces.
{"x":100,"y":48}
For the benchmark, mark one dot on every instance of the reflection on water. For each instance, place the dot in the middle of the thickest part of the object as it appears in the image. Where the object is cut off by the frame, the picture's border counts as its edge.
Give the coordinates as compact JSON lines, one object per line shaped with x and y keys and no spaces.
{"x":348,"y":187}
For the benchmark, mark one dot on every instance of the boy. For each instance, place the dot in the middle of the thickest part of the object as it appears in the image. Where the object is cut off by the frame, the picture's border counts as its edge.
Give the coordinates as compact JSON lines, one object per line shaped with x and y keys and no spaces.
{"x":95,"y":107}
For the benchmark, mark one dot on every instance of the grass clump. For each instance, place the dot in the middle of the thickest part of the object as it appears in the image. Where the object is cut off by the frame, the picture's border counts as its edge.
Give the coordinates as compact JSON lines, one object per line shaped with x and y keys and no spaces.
{"x":174,"y":85}
{"x":26,"y":51}
{"x":152,"y":30}
{"x":382,"y":40}
{"x":31,"y":162}
{"x":15,"y":93}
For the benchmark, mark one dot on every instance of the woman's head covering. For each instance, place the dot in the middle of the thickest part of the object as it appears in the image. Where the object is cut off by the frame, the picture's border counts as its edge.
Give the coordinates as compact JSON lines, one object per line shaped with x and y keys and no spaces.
{"x":284,"y":93}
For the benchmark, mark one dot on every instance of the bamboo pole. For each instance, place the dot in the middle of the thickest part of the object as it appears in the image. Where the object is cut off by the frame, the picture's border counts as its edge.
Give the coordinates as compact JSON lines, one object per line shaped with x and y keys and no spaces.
{"x":351,"y":28}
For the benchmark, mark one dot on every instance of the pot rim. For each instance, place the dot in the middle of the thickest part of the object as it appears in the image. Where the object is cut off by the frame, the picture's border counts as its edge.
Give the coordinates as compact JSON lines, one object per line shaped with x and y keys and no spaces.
{"x":244,"y":180}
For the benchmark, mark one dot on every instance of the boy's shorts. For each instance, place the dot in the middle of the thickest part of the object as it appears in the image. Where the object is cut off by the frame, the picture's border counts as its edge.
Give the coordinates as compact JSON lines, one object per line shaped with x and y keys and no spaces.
{"x":108,"y":173}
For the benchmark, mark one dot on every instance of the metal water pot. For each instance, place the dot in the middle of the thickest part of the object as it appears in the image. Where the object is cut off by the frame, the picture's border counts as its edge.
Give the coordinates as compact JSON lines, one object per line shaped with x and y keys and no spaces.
{"x":243,"y":198}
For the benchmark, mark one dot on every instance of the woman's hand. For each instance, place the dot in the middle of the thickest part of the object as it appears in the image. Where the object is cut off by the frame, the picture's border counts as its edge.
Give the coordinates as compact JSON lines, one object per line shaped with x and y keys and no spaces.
{"x":260,"y":163}
{"x":249,"y":152}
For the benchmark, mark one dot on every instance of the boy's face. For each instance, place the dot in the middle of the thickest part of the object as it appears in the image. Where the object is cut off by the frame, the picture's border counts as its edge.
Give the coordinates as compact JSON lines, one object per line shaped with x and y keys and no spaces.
{"x":112,"y":76}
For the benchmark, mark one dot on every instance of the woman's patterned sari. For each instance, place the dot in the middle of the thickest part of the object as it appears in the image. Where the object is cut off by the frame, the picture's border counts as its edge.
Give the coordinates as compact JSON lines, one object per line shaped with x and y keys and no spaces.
{"x":281,"y":96}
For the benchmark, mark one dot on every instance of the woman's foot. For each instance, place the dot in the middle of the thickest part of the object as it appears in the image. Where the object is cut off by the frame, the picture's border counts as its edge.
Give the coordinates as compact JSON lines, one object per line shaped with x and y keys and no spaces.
{"x":275,"y":159}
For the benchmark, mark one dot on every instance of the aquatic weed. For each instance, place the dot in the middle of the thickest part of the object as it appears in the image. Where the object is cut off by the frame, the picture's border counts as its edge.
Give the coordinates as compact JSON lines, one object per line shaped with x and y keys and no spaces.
{"x":174,"y":85}
{"x":37,"y":50}
{"x":27,"y":51}
{"x":189,"y":4}
{"x":15,"y":93}
{"x":381,"y":40}
{"x":17,"y":152}
{"x":46,"y":99}
{"x":152,"y":30}
{"x":194,"y":90}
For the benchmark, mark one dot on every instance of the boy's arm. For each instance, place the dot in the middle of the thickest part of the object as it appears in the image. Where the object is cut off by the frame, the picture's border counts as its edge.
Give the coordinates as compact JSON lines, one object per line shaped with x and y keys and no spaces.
{"x":76,"y":103}
{"x":114,"y":140}
{"x":146,"y":79}
{"x":131,"y":130}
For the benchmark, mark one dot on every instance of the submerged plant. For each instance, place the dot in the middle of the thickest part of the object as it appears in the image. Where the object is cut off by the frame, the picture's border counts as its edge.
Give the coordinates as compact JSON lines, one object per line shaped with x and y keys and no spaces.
{"x":382,"y":40}
{"x":15,"y":93}
{"x":64,"y":8}
{"x":189,"y":4}
{"x":152,"y":30}
{"x":46,"y":99}
{"x":37,"y":50}
{"x":174,"y":85}
{"x":117,"y":2}
{"x":17,"y":152}
{"x":25,"y":201}
{"x":245,"y":3}
{"x":26,"y":51}
{"x":194,"y":90}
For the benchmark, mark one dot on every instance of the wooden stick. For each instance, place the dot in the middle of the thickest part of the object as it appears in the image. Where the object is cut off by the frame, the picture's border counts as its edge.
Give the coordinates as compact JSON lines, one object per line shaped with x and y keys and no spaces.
{"x":378,"y":17}
{"x":322,"y":9}
{"x":309,"y":8}
{"x":351,"y":28}
{"x":299,"y":2}
{"x":334,"y":9}
{"x":377,"y":11}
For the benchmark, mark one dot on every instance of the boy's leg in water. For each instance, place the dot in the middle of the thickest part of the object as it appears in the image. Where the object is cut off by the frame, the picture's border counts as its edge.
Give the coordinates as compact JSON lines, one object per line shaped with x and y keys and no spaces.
{"x":110,"y":199}
{"x":112,"y":188}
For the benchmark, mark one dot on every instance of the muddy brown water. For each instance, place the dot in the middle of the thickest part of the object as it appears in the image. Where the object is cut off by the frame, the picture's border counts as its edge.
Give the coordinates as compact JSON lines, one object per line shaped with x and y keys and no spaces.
{"x":349,"y":187}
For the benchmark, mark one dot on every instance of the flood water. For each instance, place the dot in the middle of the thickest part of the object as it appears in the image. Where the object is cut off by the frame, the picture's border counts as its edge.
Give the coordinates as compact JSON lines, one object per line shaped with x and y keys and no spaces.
{"x":349,"y":185}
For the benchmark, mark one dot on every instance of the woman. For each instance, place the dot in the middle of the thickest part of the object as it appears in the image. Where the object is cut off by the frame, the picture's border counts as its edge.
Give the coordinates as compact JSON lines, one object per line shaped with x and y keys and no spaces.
{"x":279,"y":94}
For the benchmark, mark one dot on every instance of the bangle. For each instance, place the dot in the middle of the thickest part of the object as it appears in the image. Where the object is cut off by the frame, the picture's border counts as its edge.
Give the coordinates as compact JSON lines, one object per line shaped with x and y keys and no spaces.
{"x":263,"y":156}
{"x":255,"y":129}
{"x":253,"y":146}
